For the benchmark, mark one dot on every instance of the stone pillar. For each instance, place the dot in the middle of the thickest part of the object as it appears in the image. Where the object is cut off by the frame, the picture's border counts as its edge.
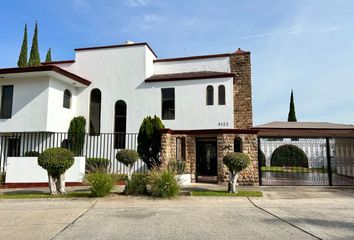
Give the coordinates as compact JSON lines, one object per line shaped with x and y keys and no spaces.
{"x":240,"y":65}
{"x":225,"y":144}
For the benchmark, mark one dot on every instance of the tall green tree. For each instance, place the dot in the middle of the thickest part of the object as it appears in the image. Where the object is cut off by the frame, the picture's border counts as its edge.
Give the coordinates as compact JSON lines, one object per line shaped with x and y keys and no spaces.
{"x":149,"y":141}
{"x":34,"y":59}
{"x":292,"y":114}
{"x":76,"y":135}
{"x":22,"y":59}
{"x":48,"y":58}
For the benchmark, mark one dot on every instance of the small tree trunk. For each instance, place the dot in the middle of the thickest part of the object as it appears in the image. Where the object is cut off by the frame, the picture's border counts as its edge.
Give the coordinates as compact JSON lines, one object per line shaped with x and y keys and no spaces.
{"x":52,"y":185}
{"x":61,"y":184}
{"x":130,"y":172}
{"x":233,"y":182}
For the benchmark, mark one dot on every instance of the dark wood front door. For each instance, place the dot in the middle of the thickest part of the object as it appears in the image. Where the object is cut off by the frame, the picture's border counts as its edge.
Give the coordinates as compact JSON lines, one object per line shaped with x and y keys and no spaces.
{"x":206,"y":169}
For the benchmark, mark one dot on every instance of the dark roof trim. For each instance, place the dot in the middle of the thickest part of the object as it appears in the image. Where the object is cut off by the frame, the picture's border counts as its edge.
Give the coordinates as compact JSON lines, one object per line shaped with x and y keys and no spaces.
{"x":303,"y":133}
{"x":117,"y":46}
{"x":58,"y":62}
{"x":193,"y":57}
{"x":44,"y":69}
{"x":211,"y":131}
{"x":188,"y":76}
{"x":300,"y":129}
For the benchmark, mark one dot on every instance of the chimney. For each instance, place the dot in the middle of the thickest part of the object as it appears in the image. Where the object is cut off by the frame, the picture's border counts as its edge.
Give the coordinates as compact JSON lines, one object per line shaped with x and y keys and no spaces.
{"x":129,"y":42}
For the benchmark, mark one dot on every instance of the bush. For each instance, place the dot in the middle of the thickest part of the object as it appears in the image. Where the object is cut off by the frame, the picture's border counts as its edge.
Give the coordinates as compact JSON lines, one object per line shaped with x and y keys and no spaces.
{"x":97,"y":164}
{"x":236,"y":162}
{"x":76,"y":135}
{"x":56,"y":160}
{"x":137,"y":185}
{"x":177,"y":167}
{"x":163,"y":184}
{"x":261,"y":158}
{"x":149,"y":141}
{"x":101,"y":184}
{"x":31,"y":154}
{"x":118,"y":177}
{"x":127,"y":157}
{"x":289,"y":156}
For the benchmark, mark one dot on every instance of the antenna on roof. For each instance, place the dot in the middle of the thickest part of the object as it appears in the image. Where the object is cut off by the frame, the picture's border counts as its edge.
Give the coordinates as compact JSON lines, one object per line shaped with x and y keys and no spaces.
{"x":185,"y":52}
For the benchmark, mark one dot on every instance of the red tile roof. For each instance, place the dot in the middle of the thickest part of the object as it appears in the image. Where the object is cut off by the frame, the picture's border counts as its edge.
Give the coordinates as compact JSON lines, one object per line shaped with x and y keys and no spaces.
{"x":45,"y":68}
{"x":188,"y":76}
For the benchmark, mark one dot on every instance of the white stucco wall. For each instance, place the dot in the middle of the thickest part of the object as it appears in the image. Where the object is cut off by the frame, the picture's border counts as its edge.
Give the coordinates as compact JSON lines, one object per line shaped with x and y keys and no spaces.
{"x":191,"y":111}
{"x":38,"y":105}
{"x":220,"y":64}
{"x":27,"y":170}
{"x":30,"y":105}
{"x":120,"y":73}
{"x":58,"y":118}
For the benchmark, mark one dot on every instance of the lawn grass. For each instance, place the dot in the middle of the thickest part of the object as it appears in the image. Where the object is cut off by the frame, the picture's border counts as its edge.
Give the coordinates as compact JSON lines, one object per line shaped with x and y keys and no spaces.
{"x":43,"y":195}
{"x":227,"y":194}
{"x":293,"y":169}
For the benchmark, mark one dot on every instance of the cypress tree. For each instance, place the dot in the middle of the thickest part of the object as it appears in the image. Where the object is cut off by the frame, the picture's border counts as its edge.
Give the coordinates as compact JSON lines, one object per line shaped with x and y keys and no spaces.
{"x":22,"y":59}
{"x":292,"y":115}
{"x":48,"y":58}
{"x":149,"y":141}
{"x":34,"y":59}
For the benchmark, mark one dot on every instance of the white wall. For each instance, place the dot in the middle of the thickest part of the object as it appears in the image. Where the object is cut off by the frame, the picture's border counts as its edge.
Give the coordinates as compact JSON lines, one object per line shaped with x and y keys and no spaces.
{"x":58,"y":118}
{"x":27,"y":170}
{"x":38,"y":105}
{"x":220,"y":64}
{"x":191,"y":111}
{"x":120,"y":73}
{"x":30,"y":105}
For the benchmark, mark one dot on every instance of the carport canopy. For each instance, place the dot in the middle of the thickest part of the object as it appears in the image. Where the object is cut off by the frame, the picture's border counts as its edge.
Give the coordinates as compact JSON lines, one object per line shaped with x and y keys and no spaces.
{"x":305,"y":129}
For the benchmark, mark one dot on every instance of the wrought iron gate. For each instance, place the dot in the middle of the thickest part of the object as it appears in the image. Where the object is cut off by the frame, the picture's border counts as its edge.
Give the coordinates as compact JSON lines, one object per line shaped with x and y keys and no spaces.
{"x":327,"y":161}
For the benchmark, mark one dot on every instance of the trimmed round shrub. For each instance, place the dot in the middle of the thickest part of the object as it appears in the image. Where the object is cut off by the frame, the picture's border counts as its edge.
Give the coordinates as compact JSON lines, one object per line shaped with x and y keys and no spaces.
{"x":289,"y":156}
{"x":56,"y":160}
{"x":31,"y":154}
{"x":127,"y":156}
{"x":101,"y":184}
{"x":97,"y":164}
{"x":163,"y":184}
{"x":261,"y":158}
{"x":137,"y":185}
{"x":236,"y":162}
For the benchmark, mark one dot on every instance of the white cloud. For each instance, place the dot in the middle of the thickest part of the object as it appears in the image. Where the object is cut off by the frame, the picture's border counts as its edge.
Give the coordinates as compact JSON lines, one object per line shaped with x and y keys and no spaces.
{"x":292,"y":30}
{"x":136,"y":3}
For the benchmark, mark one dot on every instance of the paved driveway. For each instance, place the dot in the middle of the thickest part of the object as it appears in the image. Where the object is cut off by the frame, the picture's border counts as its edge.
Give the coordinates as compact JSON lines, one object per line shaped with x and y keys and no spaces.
{"x":326,"y":214}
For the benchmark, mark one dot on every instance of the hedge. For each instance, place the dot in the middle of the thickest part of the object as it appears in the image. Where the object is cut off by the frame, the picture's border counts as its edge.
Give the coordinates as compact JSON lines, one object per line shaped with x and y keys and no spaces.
{"x":289,"y":156}
{"x":261,"y":158}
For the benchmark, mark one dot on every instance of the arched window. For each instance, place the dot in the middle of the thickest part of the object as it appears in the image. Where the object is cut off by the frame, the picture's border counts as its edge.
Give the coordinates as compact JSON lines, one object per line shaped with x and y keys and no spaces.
{"x":120,"y":124}
{"x":238,"y":145}
{"x":210,"y":95}
{"x":221,"y":95}
{"x":95,"y":112}
{"x":67,"y":99}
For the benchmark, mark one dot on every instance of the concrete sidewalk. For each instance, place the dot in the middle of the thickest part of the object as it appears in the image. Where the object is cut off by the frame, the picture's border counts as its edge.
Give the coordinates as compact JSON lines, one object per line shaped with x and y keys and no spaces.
{"x":283,"y":213}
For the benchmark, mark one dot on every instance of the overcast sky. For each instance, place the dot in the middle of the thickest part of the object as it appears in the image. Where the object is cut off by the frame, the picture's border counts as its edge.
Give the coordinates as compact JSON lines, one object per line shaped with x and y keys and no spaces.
{"x":304,"y":45}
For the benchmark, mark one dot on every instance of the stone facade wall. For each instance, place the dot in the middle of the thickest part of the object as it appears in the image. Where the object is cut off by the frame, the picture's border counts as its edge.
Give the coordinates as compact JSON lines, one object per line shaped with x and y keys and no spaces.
{"x":240,"y":65}
{"x":225,"y":144}
{"x":168,"y":150}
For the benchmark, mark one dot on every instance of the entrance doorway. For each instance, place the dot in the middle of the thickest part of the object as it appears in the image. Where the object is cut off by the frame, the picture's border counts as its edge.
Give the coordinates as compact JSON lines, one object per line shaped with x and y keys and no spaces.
{"x":206,"y":165}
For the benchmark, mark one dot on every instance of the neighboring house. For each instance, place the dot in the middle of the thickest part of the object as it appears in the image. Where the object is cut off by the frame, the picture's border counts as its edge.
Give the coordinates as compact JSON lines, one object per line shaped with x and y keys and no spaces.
{"x":205,"y":103}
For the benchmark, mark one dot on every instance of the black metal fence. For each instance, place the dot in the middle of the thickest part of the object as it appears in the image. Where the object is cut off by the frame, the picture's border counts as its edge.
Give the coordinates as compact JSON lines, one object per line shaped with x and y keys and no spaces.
{"x":329,"y":161}
{"x":104,"y":145}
